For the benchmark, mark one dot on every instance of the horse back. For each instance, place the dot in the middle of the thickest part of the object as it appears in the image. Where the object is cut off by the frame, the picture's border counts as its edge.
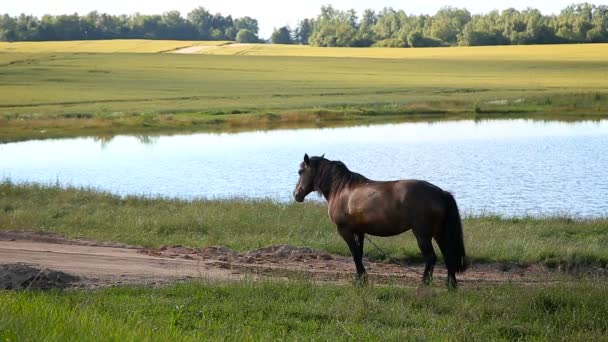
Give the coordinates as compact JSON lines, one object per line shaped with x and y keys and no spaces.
{"x":387,"y":208}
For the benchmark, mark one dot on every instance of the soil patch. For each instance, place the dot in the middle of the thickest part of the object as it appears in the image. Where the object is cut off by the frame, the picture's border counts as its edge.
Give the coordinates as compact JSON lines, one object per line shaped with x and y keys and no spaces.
{"x":191,"y":49}
{"x":99,"y":264}
{"x":292,"y":261}
{"x":23,"y":277}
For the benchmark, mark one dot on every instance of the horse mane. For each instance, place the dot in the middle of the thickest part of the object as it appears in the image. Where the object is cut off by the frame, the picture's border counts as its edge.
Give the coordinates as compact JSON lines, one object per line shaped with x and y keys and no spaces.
{"x":332,"y":176}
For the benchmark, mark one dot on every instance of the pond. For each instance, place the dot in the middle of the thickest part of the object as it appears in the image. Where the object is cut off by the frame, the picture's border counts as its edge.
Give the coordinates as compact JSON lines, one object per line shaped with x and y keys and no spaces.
{"x":505,"y":167}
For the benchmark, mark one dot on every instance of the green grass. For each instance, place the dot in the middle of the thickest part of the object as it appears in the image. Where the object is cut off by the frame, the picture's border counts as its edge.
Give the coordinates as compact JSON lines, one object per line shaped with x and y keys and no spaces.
{"x":305,"y":311}
{"x":53,"y":94}
{"x":249,"y":224}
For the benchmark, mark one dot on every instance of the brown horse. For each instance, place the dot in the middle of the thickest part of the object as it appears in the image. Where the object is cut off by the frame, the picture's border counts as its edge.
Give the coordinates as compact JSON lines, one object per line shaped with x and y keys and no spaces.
{"x":360,"y":206}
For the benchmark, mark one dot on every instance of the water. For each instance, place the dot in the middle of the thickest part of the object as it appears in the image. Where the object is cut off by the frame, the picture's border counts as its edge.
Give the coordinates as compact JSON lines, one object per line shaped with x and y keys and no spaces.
{"x":506,"y":167}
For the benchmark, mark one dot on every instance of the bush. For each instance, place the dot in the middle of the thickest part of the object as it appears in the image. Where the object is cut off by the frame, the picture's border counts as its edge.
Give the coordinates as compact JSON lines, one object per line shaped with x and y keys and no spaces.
{"x":392,"y":42}
{"x":246,"y":36}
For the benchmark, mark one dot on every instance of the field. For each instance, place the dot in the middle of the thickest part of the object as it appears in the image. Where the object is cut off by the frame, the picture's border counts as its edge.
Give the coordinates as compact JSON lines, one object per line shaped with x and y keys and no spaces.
{"x":307,"y":311}
{"x":244,"y":225}
{"x":546,"y":276}
{"x":50,"y":93}
{"x":103,"y":46}
{"x":589,"y":52}
{"x":572,"y":250}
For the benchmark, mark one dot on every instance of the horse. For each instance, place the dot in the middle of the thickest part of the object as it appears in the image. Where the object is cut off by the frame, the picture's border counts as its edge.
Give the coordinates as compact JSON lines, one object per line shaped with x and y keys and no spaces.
{"x":359,"y":206}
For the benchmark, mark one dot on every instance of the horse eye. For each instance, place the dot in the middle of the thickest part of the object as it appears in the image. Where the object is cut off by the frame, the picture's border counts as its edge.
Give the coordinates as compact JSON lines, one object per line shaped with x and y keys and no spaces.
{"x":300,"y":172}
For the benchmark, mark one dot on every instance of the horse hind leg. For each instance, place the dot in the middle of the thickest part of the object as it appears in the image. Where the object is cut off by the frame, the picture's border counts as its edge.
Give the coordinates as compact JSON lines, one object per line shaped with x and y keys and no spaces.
{"x":428,"y":253}
{"x":452,"y":282}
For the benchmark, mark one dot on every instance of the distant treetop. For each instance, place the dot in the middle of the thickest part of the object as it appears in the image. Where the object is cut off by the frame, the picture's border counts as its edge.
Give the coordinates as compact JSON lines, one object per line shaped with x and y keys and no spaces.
{"x":199,"y":24}
{"x":579,"y":23}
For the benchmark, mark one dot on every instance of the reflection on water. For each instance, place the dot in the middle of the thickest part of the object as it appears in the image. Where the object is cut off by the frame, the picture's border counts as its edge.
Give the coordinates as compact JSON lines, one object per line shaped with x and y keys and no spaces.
{"x":509,"y":167}
{"x":105,"y":140}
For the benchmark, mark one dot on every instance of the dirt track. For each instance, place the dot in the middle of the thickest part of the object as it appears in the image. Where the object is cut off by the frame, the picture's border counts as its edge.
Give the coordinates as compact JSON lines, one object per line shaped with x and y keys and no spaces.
{"x":106,"y":264}
{"x":191,"y":49}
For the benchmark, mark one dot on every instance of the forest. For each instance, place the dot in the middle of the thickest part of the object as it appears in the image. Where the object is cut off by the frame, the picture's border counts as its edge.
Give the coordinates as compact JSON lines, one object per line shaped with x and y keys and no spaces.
{"x":199,"y":24}
{"x":578,"y":23}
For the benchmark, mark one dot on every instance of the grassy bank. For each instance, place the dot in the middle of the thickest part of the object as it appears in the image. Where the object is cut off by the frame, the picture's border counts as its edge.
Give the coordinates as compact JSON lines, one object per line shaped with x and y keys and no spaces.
{"x":247,"y":224}
{"x":304,"y":311}
{"x":47,"y":93}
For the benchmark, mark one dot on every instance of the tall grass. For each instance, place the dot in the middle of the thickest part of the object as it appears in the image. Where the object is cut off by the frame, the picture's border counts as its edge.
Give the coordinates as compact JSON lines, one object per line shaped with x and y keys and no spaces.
{"x":305,"y":311}
{"x":248,"y":224}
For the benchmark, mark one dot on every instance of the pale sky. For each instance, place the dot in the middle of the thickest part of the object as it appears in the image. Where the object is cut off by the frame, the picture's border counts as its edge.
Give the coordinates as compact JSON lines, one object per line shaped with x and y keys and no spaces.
{"x":270,"y":13}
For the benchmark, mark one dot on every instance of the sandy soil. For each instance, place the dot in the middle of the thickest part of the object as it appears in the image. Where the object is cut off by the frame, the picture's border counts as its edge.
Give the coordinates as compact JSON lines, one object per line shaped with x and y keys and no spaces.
{"x":191,"y":49}
{"x":98,"y":264}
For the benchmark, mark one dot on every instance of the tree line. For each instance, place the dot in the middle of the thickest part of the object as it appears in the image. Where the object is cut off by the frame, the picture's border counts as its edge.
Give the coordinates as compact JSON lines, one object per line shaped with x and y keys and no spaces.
{"x":199,"y":24}
{"x":578,"y":23}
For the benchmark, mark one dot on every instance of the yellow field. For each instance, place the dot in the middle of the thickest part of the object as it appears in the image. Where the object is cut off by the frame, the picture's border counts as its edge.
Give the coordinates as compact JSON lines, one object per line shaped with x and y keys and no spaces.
{"x":578,"y":52}
{"x":572,"y":52}
{"x":104,"y":46}
{"x":60,"y":93}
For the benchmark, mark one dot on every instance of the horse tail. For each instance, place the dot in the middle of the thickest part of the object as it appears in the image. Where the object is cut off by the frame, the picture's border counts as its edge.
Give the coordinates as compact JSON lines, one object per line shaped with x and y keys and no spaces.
{"x":455,"y":256}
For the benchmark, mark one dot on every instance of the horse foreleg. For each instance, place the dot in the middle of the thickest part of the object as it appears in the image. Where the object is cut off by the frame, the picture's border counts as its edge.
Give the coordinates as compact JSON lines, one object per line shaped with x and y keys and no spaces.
{"x":355,"y":244}
{"x":430,"y":258}
{"x":360,"y":239}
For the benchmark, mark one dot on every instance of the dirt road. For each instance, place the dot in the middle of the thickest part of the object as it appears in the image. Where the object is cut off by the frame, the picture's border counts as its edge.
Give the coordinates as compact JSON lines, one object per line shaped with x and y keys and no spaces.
{"x":191,"y":49}
{"x":106,"y":264}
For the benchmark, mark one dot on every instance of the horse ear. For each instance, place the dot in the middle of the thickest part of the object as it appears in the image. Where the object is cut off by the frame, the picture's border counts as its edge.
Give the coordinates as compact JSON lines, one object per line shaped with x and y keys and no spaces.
{"x":306,"y":159}
{"x":323,"y":155}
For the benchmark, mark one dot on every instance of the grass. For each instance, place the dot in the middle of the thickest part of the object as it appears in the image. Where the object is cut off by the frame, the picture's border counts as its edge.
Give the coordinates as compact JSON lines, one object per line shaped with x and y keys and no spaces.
{"x":305,"y":311}
{"x":47,"y":92}
{"x":248,"y":224}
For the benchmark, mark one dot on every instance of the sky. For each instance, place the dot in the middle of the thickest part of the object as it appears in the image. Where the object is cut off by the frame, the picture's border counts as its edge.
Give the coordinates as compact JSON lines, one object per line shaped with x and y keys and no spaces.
{"x":270,"y":13}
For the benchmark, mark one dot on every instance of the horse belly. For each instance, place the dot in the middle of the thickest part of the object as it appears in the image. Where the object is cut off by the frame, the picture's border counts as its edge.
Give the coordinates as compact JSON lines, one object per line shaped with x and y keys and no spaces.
{"x":375,"y":212}
{"x":376,"y":229}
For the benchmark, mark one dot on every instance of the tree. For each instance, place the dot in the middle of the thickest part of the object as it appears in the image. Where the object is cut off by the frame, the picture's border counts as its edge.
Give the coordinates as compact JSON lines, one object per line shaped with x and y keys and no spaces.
{"x":334,"y":28}
{"x":247,"y":23}
{"x":388,"y":24}
{"x":8,"y":28}
{"x":246,"y":36}
{"x":365,"y":35}
{"x":448,"y":23}
{"x":303,"y":31}
{"x":174,"y":26}
{"x":147,"y":26}
{"x":66,"y":27}
{"x":483,"y":30}
{"x":202,"y":21}
{"x":281,"y":36}
{"x":580,"y":23}
{"x":230,"y":33}
{"x":417,"y":39}
{"x":599,"y":32}
{"x":26,"y":27}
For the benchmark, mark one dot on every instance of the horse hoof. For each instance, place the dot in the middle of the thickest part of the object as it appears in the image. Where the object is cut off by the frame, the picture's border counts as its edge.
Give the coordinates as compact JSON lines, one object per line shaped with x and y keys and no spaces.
{"x":361,"y":280}
{"x":452,"y":286}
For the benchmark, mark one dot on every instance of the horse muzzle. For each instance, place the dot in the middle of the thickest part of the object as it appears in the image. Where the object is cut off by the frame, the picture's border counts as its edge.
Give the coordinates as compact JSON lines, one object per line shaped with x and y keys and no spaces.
{"x":299,"y":196}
